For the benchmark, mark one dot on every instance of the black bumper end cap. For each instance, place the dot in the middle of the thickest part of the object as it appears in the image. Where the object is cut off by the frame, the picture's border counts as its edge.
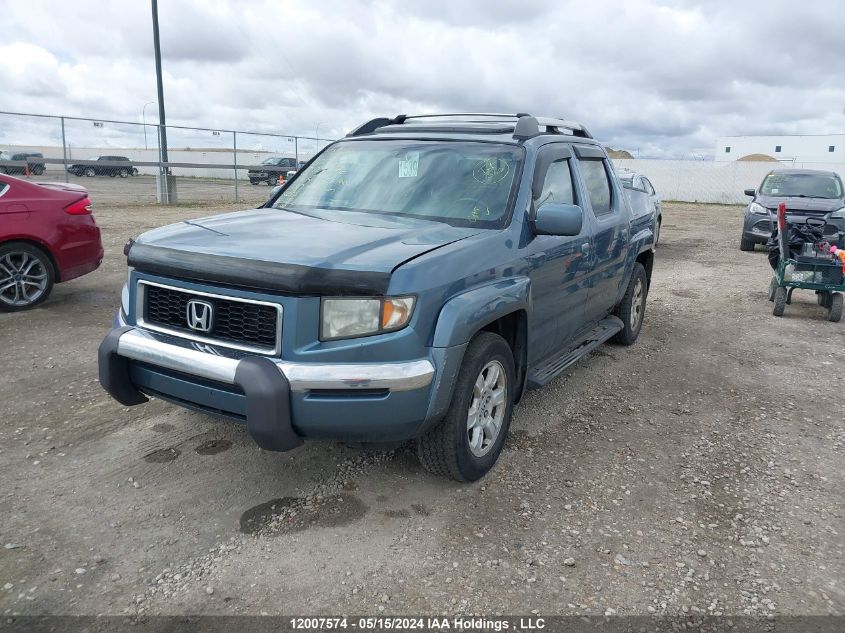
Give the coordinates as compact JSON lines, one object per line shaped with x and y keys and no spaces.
{"x":114,"y":371}
{"x":268,"y":414}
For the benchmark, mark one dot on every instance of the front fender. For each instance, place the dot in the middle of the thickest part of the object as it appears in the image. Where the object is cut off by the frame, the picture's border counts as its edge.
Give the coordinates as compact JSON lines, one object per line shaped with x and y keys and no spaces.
{"x":465,"y":314}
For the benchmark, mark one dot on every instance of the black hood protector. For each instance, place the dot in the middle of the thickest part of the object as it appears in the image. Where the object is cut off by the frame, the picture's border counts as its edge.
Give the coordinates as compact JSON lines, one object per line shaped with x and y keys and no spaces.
{"x":256,"y":274}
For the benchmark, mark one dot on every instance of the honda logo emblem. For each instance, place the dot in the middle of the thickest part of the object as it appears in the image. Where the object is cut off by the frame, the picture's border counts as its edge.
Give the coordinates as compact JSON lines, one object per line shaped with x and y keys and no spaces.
{"x":200,"y":315}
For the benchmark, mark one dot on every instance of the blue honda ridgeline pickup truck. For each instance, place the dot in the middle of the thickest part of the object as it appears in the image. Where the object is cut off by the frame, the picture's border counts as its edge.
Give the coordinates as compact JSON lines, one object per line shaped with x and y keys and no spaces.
{"x":410,"y":282}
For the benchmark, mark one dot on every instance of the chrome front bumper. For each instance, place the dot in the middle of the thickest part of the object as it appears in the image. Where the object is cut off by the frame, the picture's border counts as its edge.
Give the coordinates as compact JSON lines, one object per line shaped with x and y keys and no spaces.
{"x":403,"y":376}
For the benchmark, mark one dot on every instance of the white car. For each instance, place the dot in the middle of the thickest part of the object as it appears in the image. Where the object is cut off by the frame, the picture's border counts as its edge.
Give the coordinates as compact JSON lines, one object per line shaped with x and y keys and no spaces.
{"x":643,"y":197}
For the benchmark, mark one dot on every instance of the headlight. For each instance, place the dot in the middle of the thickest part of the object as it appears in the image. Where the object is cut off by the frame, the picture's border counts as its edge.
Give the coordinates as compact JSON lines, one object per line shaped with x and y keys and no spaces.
{"x":759,"y":209}
{"x":348,"y":318}
{"x":839,"y":214}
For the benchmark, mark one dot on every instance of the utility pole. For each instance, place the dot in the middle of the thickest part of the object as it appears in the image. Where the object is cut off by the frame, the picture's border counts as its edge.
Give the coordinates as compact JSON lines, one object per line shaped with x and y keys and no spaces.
{"x":166,"y":184}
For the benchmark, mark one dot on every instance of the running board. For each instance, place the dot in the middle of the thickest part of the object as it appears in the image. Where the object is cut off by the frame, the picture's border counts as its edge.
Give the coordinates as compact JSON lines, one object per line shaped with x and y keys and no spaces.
{"x":543,"y":374}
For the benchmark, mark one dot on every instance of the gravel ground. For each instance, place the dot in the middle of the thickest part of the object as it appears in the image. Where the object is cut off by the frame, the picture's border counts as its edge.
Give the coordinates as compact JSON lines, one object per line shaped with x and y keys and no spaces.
{"x":699,"y":471}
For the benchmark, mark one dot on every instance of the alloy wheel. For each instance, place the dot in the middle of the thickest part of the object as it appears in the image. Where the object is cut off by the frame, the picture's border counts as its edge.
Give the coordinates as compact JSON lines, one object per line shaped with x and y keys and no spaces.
{"x":23,"y":278}
{"x":487,"y":408}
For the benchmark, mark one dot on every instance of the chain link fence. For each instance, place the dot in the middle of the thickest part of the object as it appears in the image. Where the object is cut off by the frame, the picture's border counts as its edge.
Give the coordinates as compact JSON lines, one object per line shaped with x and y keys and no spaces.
{"x":119,"y":162}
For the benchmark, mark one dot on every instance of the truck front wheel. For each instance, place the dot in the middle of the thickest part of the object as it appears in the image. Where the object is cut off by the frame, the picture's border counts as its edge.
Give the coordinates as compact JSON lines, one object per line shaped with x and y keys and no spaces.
{"x":467,"y":442}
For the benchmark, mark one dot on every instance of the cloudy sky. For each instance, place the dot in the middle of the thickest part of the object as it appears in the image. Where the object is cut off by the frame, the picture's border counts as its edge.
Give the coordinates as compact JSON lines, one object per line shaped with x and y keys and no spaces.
{"x":659,"y":78}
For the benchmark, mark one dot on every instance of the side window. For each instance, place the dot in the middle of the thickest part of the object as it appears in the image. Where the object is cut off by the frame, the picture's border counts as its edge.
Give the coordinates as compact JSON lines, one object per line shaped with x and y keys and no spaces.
{"x":287,"y":163}
{"x":648,"y":187}
{"x":557,"y":186}
{"x":598,"y":185}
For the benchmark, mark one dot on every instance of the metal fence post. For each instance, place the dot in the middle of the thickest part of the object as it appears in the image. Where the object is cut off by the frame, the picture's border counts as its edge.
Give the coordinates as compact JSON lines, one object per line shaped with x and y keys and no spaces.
{"x":235,"y":146}
{"x":64,"y":148}
{"x":296,"y":150}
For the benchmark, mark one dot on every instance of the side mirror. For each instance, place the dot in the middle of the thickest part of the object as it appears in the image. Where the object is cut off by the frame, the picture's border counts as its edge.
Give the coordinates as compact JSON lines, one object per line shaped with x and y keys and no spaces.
{"x":750,"y":192}
{"x":554,"y":218}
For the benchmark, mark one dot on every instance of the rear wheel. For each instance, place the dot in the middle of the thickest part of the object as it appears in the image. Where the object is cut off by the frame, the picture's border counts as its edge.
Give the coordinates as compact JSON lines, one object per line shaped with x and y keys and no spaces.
{"x":835,"y":312}
{"x":467,"y":442}
{"x":26,"y":276}
{"x":780,"y":301}
{"x":746,"y":244}
{"x":631,"y":310}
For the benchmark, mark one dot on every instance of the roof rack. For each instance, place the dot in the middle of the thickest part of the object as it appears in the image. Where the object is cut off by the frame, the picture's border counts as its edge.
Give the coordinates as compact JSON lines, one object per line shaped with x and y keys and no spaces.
{"x":525,"y":125}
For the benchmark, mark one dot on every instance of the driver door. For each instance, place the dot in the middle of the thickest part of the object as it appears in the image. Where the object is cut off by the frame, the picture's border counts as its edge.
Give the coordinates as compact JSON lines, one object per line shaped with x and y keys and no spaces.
{"x":559,"y":265}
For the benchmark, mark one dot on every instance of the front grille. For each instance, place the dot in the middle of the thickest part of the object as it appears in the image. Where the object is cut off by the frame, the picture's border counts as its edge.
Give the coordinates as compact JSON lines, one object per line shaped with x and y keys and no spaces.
{"x":233,"y":321}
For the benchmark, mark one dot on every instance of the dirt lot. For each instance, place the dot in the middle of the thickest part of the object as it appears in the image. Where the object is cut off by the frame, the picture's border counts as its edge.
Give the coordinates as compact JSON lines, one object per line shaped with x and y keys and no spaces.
{"x":701,"y":469}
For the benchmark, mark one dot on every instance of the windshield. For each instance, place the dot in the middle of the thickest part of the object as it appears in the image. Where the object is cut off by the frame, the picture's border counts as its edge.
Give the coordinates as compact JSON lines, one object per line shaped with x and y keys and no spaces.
{"x":459,"y":183}
{"x":270,"y":161}
{"x":802,"y":185}
{"x":5,"y":156}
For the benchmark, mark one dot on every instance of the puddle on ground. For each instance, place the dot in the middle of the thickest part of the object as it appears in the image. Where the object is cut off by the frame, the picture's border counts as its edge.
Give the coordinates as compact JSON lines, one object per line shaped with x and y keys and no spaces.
{"x":162,"y":455}
{"x":258,"y":517}
{"x":291,"y":514}
{"x":212,"y":447}
{"x":161,"y":427}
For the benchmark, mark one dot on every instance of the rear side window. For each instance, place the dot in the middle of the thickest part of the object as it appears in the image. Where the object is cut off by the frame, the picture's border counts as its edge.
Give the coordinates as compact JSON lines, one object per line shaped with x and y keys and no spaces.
{"x":3,"y":188}
{"x":557,"y":186}
{"x":598,"y":185}
{"x":648,"y":186}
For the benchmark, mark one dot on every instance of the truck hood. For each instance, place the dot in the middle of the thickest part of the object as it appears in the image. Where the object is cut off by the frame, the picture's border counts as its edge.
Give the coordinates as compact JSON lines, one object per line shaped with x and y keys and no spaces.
{"x":272,"y":249}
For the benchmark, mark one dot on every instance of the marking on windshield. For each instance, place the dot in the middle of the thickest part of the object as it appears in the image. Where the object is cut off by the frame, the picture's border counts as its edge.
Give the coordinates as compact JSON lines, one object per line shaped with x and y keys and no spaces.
{"x":409,"y":166}
{"x":490,"y":170}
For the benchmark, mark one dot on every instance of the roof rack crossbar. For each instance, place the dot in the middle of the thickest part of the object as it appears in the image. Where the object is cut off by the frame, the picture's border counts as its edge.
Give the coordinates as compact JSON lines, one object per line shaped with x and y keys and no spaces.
{"x":526,"y":126}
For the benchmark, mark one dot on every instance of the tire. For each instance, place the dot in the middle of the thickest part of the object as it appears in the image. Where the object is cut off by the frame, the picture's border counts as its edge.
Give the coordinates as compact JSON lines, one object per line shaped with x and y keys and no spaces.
{"x":90,"y":172}
{"x":824,"y":298}
{"x":123,"y":173}
{"x":746,"y":244}
{"x":37,"y":170}
{"x":17,"y":292}
{"x":134,"y":171}
{"x":773,"y":286}
{"x":631,"y":310}
{"x":835,"y":312}
{"x":447,"y":449}
{"x":780,"y":301}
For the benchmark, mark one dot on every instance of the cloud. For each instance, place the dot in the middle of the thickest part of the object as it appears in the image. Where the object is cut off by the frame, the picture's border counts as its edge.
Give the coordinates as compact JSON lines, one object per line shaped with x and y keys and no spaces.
{"x":661,"y":78}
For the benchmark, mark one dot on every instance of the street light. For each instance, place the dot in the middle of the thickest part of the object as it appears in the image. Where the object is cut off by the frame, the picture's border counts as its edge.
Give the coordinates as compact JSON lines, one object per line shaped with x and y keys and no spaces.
{"x":317,"y":134}
{"x":144,"y":117}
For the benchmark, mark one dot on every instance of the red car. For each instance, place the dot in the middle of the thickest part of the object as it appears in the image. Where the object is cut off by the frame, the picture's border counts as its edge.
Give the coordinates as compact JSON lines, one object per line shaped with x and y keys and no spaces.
{"x":47,"y":235}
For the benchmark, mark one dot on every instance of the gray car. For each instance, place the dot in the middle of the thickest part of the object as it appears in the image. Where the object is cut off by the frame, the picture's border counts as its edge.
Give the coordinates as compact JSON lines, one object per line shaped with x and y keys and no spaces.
{"x":643,"y":198}
{"x":806,"y":192}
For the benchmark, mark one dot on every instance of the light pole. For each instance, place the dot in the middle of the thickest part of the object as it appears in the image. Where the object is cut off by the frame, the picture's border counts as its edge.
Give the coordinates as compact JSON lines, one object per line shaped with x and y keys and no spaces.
{"x":317,"y":134}
{"x":144,"y":117}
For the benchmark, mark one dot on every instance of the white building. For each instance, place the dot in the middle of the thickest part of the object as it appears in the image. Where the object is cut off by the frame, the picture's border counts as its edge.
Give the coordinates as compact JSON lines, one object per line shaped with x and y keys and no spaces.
{"x":790,"y":149}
